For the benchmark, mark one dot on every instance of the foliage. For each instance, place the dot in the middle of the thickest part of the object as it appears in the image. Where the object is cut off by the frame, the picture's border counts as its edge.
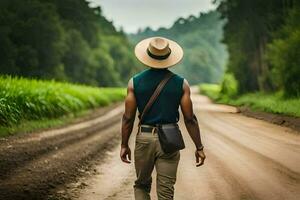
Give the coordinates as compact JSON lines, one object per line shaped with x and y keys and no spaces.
{"x":274,"y":103}
{"x":210,"y":90}
{"x":266,"y":102}
{"x":226,"y":90}
{"x":284,"y":55}
{"x":29,"y":99}
{"x":64,"y":40}
{"x":229,"y":86}
{"x":26,"y":126}
{"x":204,"y":54}
{"x":263,"y":43}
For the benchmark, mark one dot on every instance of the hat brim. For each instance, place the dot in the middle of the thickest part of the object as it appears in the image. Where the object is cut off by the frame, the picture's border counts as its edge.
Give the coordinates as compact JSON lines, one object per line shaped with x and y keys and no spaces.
{"x":142,"y":55}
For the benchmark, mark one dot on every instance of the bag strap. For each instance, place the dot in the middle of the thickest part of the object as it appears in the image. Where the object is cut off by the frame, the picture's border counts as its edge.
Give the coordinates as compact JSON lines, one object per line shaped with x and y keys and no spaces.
{"x":155,"y":94}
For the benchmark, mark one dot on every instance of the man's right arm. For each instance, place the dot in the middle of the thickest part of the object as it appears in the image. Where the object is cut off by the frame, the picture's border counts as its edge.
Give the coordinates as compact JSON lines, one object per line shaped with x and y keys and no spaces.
{"x":191,"y":122}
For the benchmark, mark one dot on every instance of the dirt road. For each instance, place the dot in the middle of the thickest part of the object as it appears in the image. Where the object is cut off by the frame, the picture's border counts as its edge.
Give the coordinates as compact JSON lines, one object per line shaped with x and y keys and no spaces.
{"x":32,"y":166}
{"x":246,"y":159}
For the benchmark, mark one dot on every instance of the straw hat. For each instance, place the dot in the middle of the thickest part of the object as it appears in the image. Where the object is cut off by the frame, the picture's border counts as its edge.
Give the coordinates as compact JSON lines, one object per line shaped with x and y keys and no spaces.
{"x":158,"y":52}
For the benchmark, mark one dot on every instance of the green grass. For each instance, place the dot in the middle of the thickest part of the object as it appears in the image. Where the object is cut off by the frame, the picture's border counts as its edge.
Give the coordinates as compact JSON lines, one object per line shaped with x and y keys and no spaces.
{"x":273,"y":103}
{"x":25,"y":100}
{"x":210,"y":90}
{"x":27,"y":126}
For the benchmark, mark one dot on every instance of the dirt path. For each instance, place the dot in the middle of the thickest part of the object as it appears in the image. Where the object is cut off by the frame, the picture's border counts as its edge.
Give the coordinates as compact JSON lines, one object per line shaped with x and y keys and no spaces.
{"x":33,"y":165}
{"x":246,"y":159}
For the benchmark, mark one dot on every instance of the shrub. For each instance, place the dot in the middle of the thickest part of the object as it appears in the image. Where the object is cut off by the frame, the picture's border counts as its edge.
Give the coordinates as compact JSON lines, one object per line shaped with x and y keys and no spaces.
{"x":229,"y":86}
{"x":211,"y":90}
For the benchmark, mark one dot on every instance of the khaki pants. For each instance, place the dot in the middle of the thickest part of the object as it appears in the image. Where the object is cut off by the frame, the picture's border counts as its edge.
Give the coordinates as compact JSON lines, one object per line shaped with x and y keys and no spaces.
{"x":147,"y":155}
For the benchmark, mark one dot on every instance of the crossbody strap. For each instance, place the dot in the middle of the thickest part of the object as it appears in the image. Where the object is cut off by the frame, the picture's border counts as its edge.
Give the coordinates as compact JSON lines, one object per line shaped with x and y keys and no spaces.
{"x":155,"y":94}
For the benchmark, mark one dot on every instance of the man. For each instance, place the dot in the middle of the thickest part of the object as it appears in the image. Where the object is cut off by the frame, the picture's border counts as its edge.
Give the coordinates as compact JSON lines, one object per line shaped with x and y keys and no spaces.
{"x":159,"y":54}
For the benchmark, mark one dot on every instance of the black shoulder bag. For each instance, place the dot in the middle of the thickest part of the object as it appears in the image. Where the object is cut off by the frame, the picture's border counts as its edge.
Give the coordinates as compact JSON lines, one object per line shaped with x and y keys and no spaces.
{"x":169,"y":135}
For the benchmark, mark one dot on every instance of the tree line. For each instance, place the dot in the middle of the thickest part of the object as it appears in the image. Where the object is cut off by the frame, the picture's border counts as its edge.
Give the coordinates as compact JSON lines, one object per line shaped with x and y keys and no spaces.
{"x":200,"y":36}
{"x":263,"y":40}
{"x":63,"y":40}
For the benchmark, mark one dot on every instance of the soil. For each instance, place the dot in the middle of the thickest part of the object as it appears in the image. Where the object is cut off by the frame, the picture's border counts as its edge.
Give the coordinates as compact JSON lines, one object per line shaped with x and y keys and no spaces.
{"x":288,"y":121}
{"x":247,"y":158}
{"x":32,"y":165}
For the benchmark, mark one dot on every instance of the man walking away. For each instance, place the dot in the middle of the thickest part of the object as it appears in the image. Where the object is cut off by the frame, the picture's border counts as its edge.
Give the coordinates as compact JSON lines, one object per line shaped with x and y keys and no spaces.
{"x":157,"y":93}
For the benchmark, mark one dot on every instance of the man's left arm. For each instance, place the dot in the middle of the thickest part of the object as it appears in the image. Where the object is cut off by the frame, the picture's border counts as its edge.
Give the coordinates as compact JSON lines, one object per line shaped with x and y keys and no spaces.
{"x":128,"y":122}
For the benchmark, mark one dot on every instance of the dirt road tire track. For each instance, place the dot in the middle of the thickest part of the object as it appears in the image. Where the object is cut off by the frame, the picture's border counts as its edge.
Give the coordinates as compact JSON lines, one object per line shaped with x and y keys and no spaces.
{"x":33,"y":165}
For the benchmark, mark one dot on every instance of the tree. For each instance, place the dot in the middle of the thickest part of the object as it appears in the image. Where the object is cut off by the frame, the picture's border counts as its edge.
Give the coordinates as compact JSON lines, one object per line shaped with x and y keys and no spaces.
{"x":249,"y":28}
{"x":284,"y":54}
{"x":33,"y":39}
{"x":64,"y":40}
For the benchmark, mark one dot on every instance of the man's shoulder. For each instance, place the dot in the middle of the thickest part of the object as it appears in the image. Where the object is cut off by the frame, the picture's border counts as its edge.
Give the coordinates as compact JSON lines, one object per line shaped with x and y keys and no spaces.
{"x":138,"y":74}
{"x":180,"y":80}
{"x":136,"y":77}
{"x":178,"y":76}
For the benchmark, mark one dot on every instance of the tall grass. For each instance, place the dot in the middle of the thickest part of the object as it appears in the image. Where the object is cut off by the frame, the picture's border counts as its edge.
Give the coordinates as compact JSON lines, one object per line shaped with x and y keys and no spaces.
{"x":271,"y":102}
{"x":29,"y":99}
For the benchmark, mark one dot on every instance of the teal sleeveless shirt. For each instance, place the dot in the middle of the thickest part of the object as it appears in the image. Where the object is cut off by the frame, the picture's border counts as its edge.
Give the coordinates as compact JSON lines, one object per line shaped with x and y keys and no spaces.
{"x":165,"y":109}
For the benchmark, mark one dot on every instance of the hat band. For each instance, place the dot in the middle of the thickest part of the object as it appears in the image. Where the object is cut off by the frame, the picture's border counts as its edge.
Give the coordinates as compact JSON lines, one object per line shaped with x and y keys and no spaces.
{"x":157,"y":57}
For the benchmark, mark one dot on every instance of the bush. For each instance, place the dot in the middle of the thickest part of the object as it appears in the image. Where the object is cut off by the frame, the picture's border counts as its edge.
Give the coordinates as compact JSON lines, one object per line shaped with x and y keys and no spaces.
{"x":210,"y":90}
{"x":273,"y":103}
{"x":229,"y":86}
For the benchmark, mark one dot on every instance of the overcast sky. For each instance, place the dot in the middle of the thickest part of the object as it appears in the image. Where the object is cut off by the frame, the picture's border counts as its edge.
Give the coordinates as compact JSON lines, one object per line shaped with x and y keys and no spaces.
{"x":134,"y":14}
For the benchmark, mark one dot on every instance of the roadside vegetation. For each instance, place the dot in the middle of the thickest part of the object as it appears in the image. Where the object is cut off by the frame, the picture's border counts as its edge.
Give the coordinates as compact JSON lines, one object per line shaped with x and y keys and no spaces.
{"x":276,"y":103}
{"x":263,"y":65}
{"x":264,"y":49}
{"x":23,"y":102}
{"x":63,"y":40}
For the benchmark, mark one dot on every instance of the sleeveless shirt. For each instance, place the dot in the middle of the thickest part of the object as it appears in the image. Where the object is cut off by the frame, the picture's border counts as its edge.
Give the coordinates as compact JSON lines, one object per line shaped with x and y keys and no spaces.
{"x":165,"y":108}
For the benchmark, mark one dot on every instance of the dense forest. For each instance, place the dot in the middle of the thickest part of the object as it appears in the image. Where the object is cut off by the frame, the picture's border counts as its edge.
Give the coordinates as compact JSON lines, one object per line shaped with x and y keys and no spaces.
{"x":200,"y":36}
{"x":263,"y":39}
{"x":63,"y":40}
{"x":70,"y":41}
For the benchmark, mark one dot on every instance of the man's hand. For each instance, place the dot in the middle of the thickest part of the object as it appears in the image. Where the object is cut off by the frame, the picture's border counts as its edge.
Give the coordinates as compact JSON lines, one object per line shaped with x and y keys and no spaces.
{"x":199,"y":156}
{"x":125,"y":154}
